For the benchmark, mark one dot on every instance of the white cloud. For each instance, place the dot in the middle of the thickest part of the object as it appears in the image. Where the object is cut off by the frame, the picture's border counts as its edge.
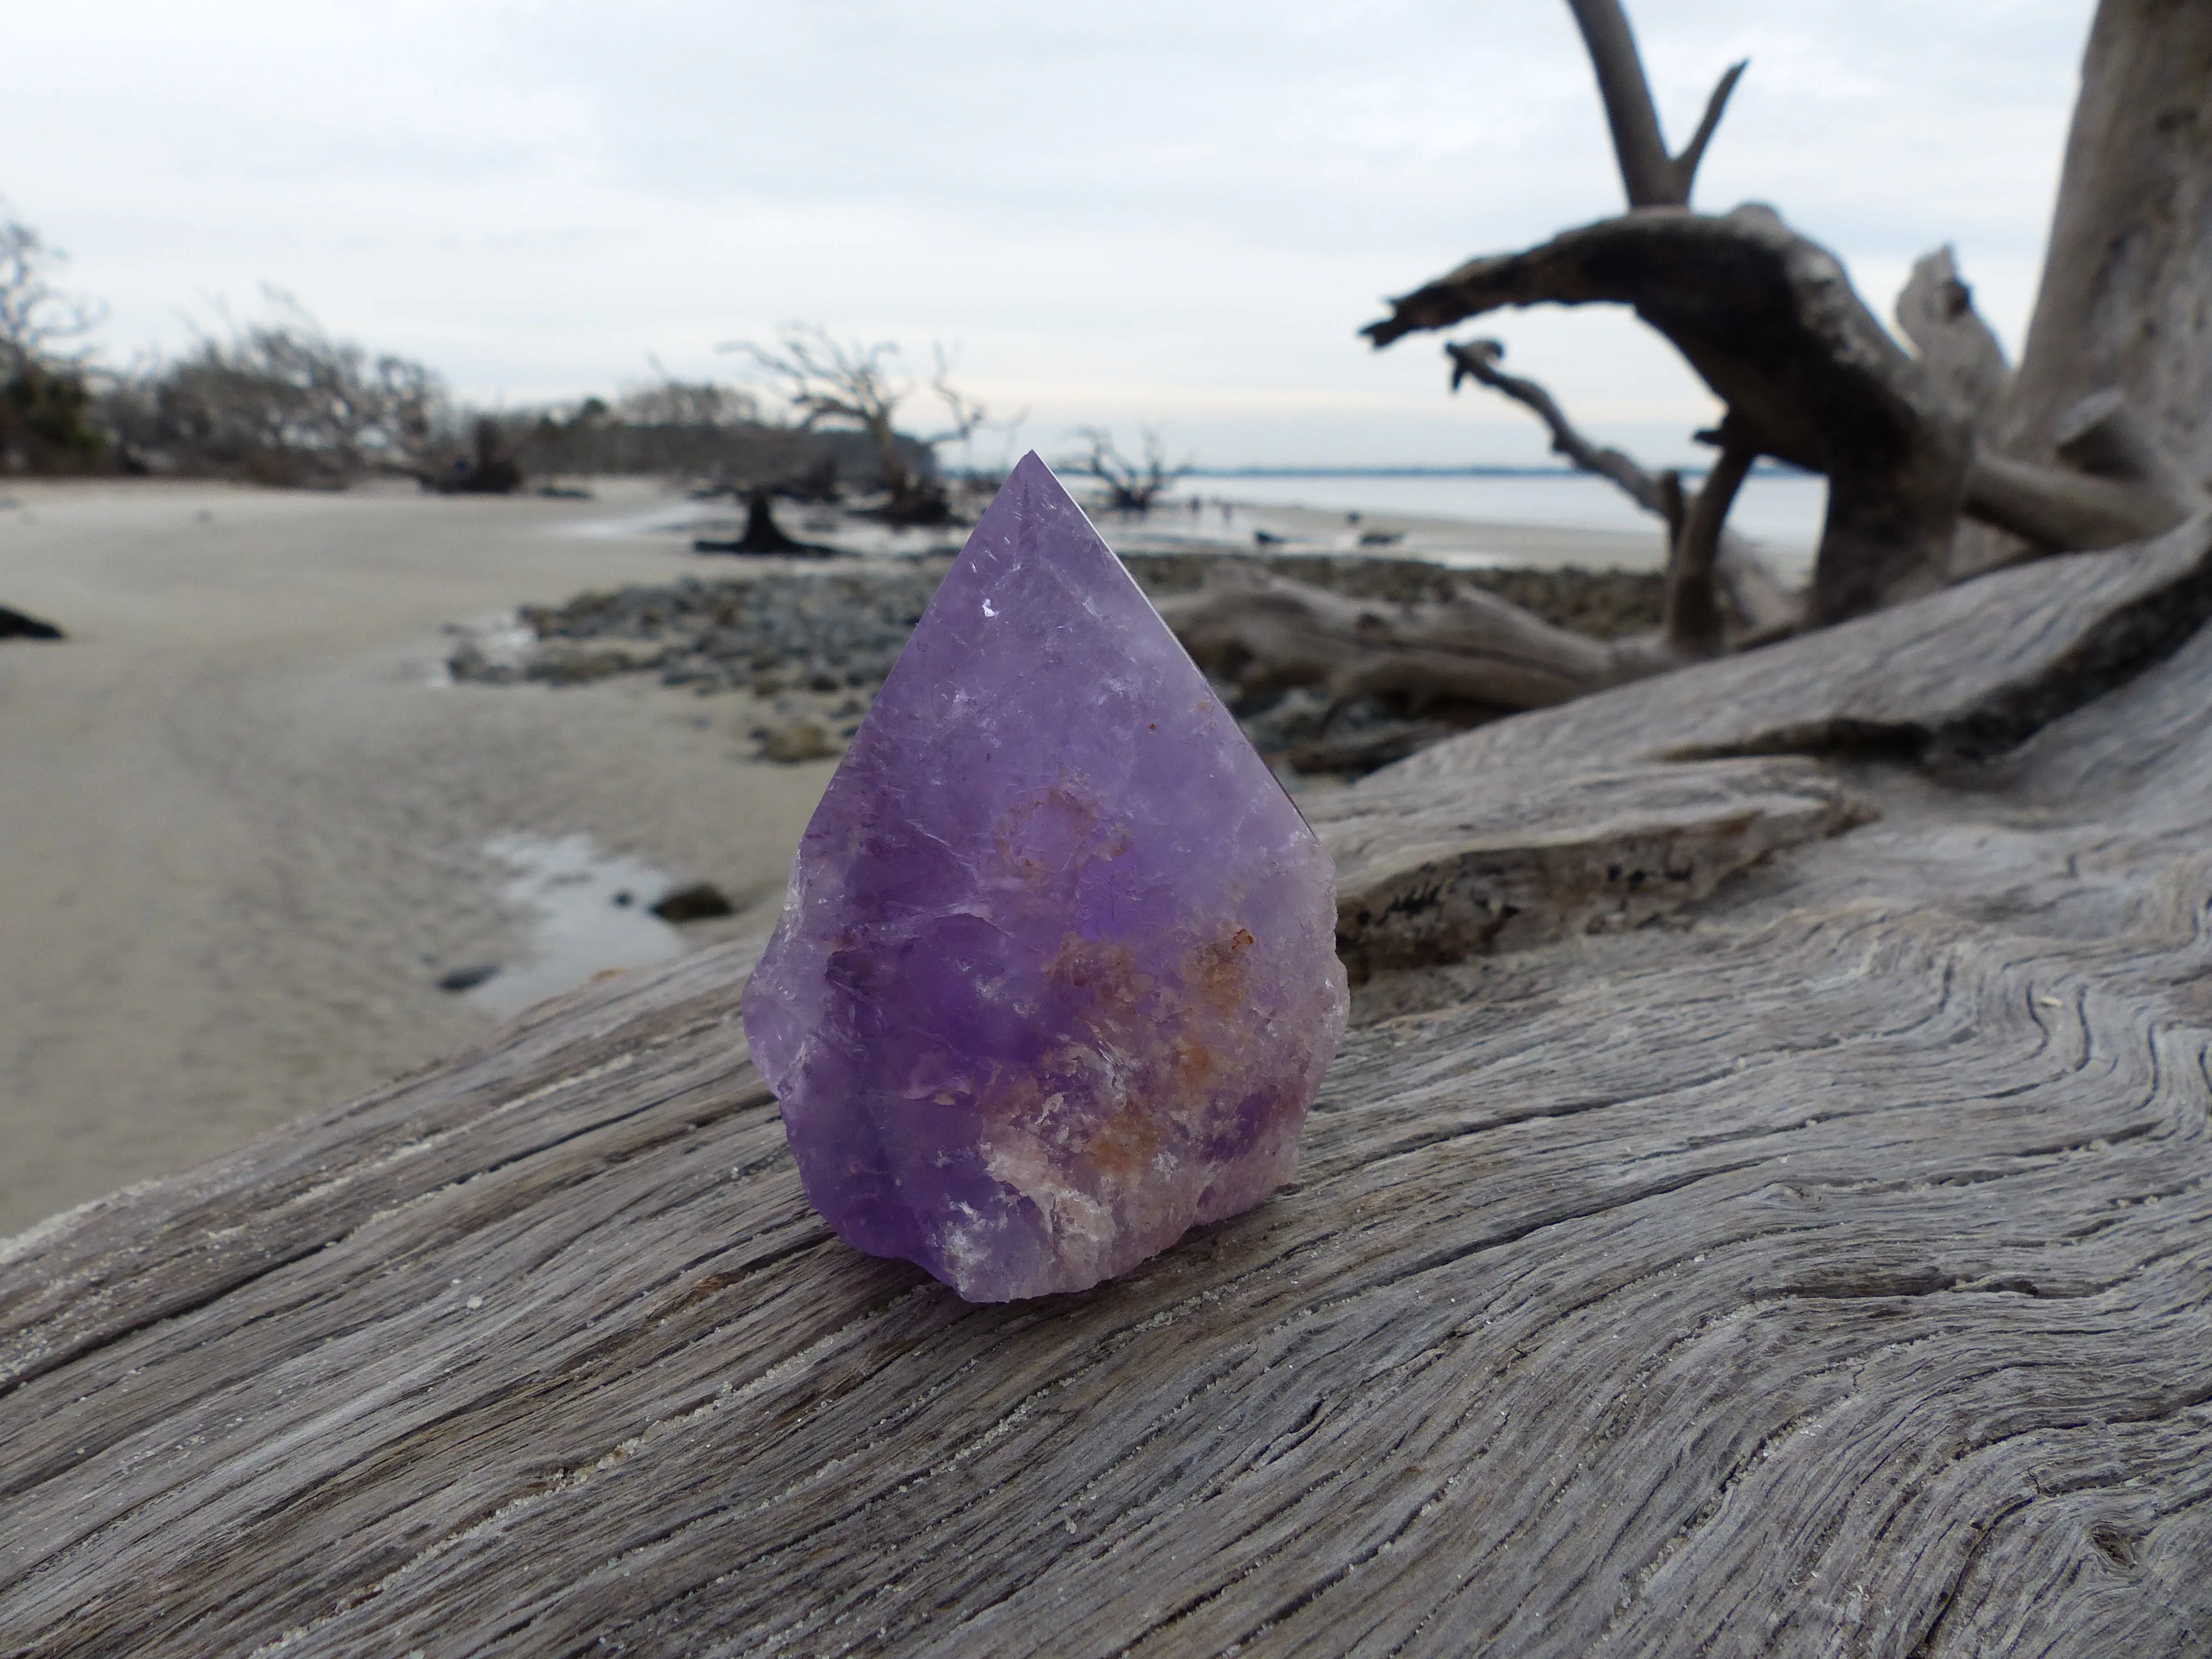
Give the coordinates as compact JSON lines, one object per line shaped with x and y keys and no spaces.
{"x":1144,"y":213}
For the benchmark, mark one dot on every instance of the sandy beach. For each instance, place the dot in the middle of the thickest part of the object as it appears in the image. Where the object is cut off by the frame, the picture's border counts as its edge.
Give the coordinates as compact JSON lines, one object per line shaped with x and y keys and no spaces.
{"x":244,"y":826}
{"x":247,"y":825}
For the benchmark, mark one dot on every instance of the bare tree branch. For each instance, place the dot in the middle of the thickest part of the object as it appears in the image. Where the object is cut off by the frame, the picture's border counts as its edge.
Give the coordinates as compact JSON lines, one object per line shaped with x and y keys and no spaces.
{"x":968,"y":413}
{"x":1651,"y":177}
{"x":1756,"y":604}
{"x":1479,"y":360}
{"x":2126,"y":488}
{"x":2104,"y":436}
{"x":1686,"y":164}
{"x":2059,"y":511}
{"x":826,"y":379}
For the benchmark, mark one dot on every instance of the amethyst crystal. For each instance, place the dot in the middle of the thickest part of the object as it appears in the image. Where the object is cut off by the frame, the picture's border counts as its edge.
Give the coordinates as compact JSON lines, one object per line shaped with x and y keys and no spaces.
{"x":1056,"y":978}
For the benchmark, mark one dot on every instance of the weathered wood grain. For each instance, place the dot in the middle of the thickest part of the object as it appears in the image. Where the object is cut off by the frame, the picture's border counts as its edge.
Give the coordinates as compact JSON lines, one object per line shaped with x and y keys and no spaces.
{"x":1437,"y":874}
{"x":1830,"y":1273}
{"x":1967,"y":673}
{"x":1564,"y":821}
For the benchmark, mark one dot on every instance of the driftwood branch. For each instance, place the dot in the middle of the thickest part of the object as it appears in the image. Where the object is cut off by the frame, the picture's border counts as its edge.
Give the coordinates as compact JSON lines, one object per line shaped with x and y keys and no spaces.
{"x":1936,"y":311}
{"x":2103,"y":436}
{"x":1694,"y":626}
{"x":2057,"y":510}
{"x":2117,"y":485}
{"x":1473,"y":655}
{"x":1769,"y":321}
{"x":1462,"y":658}
{"x":1265,"y":634}
{"x":1651,"y":177}
{"x":1686,"y":164}
{"x":1479,"y":360}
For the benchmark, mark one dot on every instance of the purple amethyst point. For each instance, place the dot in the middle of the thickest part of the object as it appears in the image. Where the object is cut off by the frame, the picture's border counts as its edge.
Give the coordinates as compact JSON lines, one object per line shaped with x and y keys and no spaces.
{"x":1056,"y":977}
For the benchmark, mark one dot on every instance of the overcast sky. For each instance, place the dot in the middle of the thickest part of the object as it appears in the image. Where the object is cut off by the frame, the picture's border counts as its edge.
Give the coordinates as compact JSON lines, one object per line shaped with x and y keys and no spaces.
{"x":1136,"y":214}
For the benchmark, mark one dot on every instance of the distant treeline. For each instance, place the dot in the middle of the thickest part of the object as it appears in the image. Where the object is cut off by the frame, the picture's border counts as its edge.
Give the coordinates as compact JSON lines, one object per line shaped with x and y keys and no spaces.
{"x":280,"y":401}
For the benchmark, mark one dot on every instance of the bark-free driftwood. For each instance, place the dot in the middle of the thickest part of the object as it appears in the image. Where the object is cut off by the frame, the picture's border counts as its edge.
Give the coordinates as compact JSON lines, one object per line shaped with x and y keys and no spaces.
{"x":1826,"y":1272}
{"x":1266,"y":633}
{"x":1770,"y":321}
{"x":1959,"y":351}
{"x":2125,"y":299}
{"x":1561,"y":822}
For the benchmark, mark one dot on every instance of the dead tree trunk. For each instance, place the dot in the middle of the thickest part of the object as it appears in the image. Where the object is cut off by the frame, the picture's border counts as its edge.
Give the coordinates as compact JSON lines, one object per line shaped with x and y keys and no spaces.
{"x":2125,"y":304}
{"x":762,"y":533}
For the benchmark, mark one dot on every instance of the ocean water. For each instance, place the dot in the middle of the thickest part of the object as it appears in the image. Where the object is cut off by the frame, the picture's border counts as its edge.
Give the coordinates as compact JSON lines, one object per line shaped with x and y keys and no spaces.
{"x":1781,"y":510}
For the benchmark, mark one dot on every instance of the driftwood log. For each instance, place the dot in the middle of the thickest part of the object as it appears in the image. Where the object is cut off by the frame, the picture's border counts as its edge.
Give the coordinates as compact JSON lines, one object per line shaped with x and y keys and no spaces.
{"x":1789,"y":1230}
{"x":2125,"y":303}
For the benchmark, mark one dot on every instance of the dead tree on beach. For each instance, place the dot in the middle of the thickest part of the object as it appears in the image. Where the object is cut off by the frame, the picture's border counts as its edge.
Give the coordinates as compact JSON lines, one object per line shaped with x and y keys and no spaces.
{"x":1132,"y":485}
{"x":39,"y":321}
{"x":1763,"y":1206}
{"x":47,"y":397}
{"x":828,"y":381}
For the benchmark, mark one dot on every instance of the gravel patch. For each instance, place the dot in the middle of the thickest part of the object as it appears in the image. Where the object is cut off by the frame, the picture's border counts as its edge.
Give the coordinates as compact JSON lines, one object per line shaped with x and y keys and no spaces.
{"x":813,"y":645}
